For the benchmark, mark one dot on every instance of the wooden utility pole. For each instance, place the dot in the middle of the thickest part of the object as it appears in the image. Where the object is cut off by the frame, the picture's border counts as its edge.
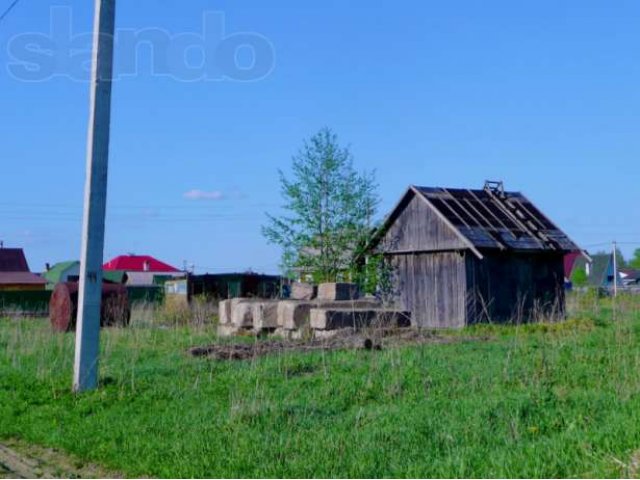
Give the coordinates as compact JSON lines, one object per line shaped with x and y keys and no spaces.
{"x":85,"y":373}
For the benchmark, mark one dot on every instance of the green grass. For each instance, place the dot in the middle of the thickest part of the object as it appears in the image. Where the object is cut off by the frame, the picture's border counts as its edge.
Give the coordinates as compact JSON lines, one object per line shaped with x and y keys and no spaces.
{"x":542,"y":400}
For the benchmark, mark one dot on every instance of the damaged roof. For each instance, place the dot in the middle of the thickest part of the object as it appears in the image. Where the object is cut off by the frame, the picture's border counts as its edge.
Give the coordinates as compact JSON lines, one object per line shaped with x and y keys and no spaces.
{"x":491,"y":218}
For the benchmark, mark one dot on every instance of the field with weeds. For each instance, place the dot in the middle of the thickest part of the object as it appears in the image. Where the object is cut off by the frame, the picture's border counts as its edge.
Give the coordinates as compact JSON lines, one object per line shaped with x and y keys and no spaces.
{"x":538,"y":400}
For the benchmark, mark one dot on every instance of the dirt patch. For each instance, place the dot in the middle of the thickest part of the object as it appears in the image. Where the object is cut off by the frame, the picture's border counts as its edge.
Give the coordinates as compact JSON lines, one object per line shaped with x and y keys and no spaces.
{"x":634,"y":465}
{"x":18,"y":460}
{"x":376,"y":340}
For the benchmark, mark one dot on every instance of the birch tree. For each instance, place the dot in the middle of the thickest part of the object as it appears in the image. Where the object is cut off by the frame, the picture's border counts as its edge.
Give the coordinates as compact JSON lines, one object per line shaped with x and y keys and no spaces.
{"x":328,"y":210}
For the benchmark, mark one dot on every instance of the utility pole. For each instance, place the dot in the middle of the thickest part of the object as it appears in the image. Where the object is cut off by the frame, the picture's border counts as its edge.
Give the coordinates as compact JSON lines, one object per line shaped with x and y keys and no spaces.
{"x":85,"y":372}
{"x":615,"y":269}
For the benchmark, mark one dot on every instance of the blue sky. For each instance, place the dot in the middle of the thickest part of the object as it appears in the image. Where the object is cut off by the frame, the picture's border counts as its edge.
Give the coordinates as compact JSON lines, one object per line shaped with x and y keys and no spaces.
{"x":544,"y":95}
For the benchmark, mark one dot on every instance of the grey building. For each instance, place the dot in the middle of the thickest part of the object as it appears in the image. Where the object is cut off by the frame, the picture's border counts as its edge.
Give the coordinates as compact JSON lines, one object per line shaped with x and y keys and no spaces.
{"x":459,"y":256}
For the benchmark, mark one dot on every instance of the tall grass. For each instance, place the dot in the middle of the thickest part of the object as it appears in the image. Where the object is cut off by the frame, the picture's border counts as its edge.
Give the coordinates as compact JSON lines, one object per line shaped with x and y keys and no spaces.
{"x":549,"y":399}
{"x":200,"y":311}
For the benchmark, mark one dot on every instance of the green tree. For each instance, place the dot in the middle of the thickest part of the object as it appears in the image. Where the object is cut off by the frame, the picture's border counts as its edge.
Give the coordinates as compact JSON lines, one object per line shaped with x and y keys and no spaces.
{"x":579,"y":277}
{"x":635,"y":261}
{"x":329,"y":209}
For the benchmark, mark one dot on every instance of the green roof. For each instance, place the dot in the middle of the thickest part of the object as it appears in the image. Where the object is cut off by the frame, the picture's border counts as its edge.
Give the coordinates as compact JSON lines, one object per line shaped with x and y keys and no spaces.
{"x":54,"y":274}
{"x":114,"y":276}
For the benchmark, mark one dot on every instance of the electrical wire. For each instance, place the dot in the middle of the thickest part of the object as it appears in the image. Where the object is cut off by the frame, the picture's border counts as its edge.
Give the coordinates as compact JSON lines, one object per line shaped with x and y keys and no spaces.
{"x":8,"y":10}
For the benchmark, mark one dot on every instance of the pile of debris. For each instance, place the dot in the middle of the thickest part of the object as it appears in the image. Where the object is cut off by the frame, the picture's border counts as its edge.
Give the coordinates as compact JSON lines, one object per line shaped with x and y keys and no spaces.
{"x":321,"y":312}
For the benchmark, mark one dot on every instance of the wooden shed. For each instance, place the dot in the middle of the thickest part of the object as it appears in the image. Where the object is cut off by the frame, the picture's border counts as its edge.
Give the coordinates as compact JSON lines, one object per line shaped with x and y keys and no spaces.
{"x":459,"y":256}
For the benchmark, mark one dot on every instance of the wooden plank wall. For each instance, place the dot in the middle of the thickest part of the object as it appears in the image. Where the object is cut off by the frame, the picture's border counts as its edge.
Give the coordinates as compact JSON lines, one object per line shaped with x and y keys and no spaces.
{"x":432,"y":286}
{"x":514,"y":287}
{"x":419,"y":228}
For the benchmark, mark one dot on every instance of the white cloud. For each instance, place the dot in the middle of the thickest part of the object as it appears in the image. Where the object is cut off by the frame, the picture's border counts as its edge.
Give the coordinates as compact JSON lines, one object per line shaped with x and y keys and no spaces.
{"x":202,"y":195}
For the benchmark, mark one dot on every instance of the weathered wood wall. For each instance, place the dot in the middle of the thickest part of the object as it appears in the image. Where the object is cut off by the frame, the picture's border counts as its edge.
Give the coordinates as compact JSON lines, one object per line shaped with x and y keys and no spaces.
{"x":432,"y":286}
{"x":443,"y":284}
{"x":419,"y":229}
{"x":513,"y":287}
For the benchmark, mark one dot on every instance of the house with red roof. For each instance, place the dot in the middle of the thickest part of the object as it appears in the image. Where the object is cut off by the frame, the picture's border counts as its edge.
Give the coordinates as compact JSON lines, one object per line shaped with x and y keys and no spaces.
{"x":139,"y":263}
{"x":142,"y":270}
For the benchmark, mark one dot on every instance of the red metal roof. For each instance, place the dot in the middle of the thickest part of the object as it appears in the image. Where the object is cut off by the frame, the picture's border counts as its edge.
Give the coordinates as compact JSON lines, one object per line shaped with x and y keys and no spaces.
{"x":138,"y":263}
{"x":570,"y":261}
{"x":21,"y":278}
{"x":13,"y":260}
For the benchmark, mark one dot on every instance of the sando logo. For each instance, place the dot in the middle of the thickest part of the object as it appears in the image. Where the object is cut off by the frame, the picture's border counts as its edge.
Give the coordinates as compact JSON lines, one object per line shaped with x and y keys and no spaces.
{"x":209,"y":55}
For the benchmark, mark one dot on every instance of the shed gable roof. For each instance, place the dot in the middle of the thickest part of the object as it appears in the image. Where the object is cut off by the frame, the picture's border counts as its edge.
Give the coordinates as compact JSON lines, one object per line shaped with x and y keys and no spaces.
{"x":489,"y":219}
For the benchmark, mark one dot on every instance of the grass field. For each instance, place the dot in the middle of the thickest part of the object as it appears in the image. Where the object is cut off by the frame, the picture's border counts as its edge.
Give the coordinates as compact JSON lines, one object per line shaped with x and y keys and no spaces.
{"x":544,"y":400}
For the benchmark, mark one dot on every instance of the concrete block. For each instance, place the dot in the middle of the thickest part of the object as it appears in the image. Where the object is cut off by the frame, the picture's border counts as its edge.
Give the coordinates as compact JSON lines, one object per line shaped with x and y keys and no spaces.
{"x":369,"y":303}
{"x":333,"y":319}
{"x":293,"y":314}
{"x":224,"y":312}
{"x":265,"y":315}
{"x":303,"y":291}
{"x":338,"y":291}
{"x":242,"y":314}
{"x":326,"y":319}
{"x":236,"y":301}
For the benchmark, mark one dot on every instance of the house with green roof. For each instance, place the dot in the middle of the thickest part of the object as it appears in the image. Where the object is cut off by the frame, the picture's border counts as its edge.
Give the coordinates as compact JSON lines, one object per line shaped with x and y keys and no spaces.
{"x":70,"y":272}
{"x":60,"y":272}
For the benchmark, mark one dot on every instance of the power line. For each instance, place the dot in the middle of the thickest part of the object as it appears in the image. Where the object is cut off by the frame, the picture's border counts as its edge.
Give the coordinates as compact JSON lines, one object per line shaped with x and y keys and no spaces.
{"x":191,"y":206}
{"x":602,"y":244}
{"x":8,"y":10}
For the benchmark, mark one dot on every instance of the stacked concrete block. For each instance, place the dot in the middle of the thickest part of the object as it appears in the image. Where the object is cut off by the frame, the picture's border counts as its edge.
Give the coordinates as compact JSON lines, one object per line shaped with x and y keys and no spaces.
{"x":225,"y":327}
{"x":338,"y":291}
{"x":224,"y":312}
{"x":334,"y":319}
{"x":234,"y":315}
{"x":265,"y":315}
{"x":303,"y":291}
{"x":293,"y":315}
{"x":242,"y":315}
{"x":338,"y":307}
{"x":326,"y":319}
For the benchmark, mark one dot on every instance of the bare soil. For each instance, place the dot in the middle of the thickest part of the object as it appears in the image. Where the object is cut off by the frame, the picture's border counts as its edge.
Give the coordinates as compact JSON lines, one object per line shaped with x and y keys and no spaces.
{"x":18,"y":460}
{"x":377,"y":339}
